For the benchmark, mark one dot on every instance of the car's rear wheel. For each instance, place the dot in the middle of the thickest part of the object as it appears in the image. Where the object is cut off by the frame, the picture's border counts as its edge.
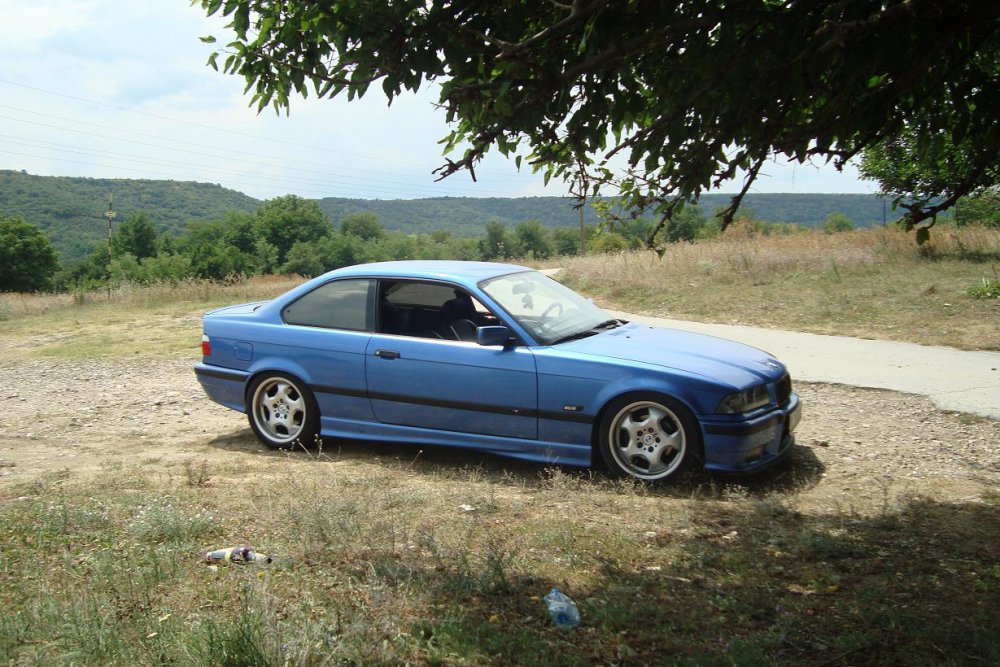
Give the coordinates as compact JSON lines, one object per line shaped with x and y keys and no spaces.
{"x":283,"y":411}
{"x":648,"y":436}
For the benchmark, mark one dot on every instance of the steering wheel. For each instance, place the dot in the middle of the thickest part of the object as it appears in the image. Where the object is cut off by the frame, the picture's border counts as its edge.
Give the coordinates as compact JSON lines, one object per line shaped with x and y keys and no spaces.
{"x":552,"y":306}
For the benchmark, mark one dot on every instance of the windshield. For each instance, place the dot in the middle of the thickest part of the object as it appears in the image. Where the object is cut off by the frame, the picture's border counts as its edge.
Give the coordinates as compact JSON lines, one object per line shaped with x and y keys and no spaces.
{"x":549,"y":311}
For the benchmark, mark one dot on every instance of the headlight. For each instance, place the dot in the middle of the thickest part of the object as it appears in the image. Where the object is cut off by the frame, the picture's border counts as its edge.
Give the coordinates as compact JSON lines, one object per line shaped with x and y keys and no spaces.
{"x":745,"y":401}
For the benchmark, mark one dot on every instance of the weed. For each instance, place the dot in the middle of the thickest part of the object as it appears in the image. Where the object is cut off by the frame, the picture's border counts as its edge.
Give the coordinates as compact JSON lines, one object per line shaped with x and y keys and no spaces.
{"x":197,"y":476}
{"x":160,"y":520}
{"x":988,"y":289}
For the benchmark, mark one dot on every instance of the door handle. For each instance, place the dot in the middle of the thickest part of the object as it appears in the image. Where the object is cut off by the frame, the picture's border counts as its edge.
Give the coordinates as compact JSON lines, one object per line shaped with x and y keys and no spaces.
{"x":387,"y":354}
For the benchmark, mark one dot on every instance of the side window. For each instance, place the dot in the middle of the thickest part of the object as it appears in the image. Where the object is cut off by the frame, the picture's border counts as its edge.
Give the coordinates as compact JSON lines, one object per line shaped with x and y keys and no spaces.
{"x":340,"y":304}
{"x":429,"y":310}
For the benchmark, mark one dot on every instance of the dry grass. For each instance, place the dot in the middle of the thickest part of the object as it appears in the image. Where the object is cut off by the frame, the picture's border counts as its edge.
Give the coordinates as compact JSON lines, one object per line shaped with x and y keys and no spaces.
{"x":17,"y":305}
{"x":103,"y":324}
{"x":873,"y":283}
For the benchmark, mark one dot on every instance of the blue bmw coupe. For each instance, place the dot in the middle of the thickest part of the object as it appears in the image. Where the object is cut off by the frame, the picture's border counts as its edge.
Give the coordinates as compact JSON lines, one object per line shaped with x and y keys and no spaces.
{"x":497,"y":358}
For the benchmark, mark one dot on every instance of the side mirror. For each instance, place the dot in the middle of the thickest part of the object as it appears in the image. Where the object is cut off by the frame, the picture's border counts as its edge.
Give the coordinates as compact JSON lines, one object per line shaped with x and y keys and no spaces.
{"x":496,"y":335}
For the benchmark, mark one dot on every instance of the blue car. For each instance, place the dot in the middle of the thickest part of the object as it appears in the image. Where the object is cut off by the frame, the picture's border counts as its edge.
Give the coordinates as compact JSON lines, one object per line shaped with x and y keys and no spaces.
{"x":496,"y":358}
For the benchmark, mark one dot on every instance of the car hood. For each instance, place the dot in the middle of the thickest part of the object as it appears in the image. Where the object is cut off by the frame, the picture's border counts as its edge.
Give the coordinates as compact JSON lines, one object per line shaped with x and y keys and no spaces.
{"x":733,"y":363}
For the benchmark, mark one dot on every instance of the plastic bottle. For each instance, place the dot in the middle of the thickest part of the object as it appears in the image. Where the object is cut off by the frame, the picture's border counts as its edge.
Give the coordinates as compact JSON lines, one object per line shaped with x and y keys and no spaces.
{"x":563,"y":610}
{"x":236,"y":555}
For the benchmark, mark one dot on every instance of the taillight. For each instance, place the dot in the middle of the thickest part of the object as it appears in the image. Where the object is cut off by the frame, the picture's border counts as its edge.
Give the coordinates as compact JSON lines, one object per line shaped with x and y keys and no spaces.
{"x":206,"y":346}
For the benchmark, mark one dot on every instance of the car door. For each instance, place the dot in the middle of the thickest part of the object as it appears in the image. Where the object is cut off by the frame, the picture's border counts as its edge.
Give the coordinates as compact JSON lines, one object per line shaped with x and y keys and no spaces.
{"x":325,"y":334}
{"x":451,"y":385}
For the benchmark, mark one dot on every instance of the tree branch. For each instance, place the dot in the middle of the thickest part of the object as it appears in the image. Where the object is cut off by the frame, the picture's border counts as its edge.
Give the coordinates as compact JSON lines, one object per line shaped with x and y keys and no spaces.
{"x":734,"y":203}
{"x":577,"y":13}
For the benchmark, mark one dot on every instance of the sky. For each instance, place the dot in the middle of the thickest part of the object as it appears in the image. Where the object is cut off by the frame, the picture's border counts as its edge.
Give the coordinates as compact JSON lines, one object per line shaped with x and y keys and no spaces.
{"x":113,"y":89}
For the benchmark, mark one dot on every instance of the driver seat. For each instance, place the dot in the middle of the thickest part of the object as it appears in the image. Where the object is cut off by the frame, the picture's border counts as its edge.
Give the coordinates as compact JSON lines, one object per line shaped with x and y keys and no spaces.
{"x":456,"y":318}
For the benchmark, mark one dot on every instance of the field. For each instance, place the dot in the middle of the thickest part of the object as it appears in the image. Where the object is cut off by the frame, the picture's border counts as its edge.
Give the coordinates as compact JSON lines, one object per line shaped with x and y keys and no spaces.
{"x":873,"y":283}
{"x":876,"y":544}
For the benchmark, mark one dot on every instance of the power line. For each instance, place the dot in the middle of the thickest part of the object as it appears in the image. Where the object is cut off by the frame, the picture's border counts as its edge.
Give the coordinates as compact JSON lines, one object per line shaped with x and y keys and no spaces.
{"x":206,"y":126}
{"x":318,"y":190}
{"x":310,"y":175}
{"x":213,"y":170}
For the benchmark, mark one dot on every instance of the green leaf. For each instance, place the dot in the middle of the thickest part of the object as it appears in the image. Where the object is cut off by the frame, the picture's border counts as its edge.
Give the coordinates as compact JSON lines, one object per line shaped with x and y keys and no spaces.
{"x":211,"y":60}
{"x":208,"y":39}
{"x":923,"y":235}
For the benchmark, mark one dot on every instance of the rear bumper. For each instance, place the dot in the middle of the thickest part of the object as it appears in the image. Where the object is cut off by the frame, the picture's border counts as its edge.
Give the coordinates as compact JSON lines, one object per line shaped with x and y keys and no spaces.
{"x":751,"y":445}
{"x":223,"y":385}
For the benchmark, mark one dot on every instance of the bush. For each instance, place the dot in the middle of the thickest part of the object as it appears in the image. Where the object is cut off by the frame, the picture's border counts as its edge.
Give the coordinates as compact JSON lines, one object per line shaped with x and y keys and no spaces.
{"x":610,"y":242}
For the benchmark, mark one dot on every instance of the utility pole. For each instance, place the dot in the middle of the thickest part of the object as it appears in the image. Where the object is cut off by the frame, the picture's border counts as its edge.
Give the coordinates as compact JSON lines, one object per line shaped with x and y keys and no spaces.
{"x":110,"y":215}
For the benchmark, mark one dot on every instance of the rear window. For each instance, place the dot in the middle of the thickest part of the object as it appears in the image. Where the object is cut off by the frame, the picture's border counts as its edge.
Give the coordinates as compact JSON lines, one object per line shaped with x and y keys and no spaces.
{"x":341,"y":304}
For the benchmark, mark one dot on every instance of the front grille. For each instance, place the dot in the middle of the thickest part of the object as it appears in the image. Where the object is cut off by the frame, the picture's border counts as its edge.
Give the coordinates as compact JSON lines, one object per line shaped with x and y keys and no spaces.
{"x":784,"y":389}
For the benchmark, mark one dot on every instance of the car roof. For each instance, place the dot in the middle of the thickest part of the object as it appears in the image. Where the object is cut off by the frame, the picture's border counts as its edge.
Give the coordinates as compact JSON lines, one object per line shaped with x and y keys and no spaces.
{"x":468,"y":273}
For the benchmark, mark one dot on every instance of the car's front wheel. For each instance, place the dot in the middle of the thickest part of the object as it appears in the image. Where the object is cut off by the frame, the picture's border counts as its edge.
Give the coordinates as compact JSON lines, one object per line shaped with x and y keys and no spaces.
{"x":648,"y":436}
{"x":282,"y":411}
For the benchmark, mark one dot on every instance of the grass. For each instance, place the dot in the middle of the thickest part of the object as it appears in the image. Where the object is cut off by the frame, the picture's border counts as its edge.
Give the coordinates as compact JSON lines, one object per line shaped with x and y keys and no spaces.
{"x":379,"y":564}
{"x":101,"y":324}
{"x":873,"y":283}
{"x":390,"y":555}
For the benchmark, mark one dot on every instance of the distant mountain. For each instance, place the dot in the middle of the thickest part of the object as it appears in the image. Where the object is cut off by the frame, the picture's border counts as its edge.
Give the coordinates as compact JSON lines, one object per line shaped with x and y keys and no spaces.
{"x":463,"y":216}
{"x":468,"y":216}
{"x":71,"y":209}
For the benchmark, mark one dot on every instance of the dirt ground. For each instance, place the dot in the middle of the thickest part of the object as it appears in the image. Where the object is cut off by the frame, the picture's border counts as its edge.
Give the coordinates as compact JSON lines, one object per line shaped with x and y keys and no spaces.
{"x":858,"y":449}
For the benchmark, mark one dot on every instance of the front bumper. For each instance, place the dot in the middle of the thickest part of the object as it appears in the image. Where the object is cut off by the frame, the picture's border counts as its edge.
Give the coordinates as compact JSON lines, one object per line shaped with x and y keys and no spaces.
{"x":750,"y":445}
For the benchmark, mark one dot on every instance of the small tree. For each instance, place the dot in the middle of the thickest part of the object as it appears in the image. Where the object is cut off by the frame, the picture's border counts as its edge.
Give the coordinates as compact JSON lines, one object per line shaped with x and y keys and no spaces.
{"x":566,"y":241}
{"x":683,"y":225}
{"x":497,"y":243}
{"x":533,"y":239}
{"x":27,"y":258}
{"x":837,"y":222}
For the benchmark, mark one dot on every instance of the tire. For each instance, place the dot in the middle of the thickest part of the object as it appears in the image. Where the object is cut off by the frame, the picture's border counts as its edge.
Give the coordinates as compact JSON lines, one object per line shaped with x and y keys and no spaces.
{"x":648,"y":436}
{"x":282,"y":411}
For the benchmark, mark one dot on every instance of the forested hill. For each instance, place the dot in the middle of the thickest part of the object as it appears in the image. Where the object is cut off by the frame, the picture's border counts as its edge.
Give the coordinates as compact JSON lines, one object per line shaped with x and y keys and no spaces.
{"x":71,"y":209}
{"x":463,"y":216}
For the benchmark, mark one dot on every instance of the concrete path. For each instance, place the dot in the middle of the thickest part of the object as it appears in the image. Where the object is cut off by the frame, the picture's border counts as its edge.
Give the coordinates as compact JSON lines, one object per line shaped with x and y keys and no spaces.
{"x":953,"y":379}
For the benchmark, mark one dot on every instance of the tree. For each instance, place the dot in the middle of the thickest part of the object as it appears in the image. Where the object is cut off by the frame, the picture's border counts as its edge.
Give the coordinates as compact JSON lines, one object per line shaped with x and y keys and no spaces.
{"x":684,"y":225}
{"x":284,"y":221}
{"x":661,"y":100}
{"x":304,"y":259}
{"x":927,"y":169}
{"x":27,"y":258}
{"x":136,"y":236}
{"x":566,"y":241}
{"x":982,"y":208}
{"x":497,"y":244}
{"x":364,"y":225}
{"x":533,"y":239}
